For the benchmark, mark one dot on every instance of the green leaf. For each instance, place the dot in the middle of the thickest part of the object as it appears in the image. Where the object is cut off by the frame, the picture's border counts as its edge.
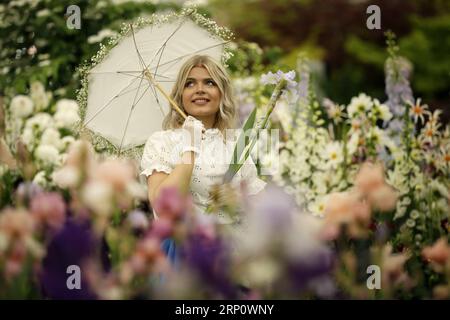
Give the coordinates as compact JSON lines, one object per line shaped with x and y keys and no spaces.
{"x":234,"y":167}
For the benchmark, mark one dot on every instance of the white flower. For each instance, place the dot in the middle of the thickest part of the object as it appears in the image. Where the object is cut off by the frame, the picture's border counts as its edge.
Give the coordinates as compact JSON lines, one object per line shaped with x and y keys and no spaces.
{"x":40,"y":179}
{"x":98,"y":197}
{"x":333,"y":154}
{"x":40,"y":121}
{"x":352,"y":144}
{"x":27,"y":137}
{"x":66,"y":119}
{"x":51,"y":137}
{"x":48,"y":154}
{"x":381,"y":111}
{"x":66,"y":142}
{"x":66,"y":177}
{"x":379,"y":136}
{"x":21,"y":106}
{"x":385,"y":113}
{"x":359,"y":105}
{"x":40,"y":97}
{"x":66,"y":105}
{"x":317,"y":208}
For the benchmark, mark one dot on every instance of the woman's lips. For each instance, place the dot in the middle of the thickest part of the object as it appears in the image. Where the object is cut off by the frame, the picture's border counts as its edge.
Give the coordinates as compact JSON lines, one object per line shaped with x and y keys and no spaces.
{"x":200,"y":102}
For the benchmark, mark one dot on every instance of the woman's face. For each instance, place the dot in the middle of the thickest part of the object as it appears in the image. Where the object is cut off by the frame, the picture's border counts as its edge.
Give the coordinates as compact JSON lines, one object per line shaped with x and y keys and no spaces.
{"x":201,"y":95}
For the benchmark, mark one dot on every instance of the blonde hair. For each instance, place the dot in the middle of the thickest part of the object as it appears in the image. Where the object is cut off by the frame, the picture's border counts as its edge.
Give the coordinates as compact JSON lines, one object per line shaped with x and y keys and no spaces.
{"x":226,"y":116}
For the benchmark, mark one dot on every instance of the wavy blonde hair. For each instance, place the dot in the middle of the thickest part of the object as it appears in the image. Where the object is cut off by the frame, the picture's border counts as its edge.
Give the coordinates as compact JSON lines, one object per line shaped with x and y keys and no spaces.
{"x":226,"y":116}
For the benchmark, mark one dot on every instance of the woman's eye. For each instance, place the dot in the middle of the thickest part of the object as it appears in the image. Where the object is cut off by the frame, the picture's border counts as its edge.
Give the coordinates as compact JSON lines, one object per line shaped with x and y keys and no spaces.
{"x":189,"y":84}
{"x":210,"y":83}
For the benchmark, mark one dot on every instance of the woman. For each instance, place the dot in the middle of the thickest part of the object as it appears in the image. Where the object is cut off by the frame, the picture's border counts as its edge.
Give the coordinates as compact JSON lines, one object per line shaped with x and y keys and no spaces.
{"x":193,"y":159}
{"x":173,"y":158}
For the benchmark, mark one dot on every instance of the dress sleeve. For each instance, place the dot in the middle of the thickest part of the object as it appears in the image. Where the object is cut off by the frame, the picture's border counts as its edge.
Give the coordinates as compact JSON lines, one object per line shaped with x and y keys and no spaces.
{"x":158,"y":154}
{"x":250,"y":175}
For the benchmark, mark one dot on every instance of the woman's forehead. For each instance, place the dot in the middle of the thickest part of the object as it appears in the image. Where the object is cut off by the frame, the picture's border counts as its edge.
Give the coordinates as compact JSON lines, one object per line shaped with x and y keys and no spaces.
{"x":199,"y":72}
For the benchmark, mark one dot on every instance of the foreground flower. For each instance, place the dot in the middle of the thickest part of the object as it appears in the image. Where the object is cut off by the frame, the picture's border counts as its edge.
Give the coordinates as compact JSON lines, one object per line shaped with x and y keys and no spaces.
{"x":171,"y":204}
{"x":16,"y":241}
{"x":49,"y":209}
{"x":438,"y":253}
{"x":74,"y":245}
{"x":371,"y":183}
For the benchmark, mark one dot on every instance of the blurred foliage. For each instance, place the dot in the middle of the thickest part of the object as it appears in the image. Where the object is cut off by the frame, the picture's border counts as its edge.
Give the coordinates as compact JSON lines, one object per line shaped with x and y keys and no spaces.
{"x":59,"y":50}
{"x":335,"y":32}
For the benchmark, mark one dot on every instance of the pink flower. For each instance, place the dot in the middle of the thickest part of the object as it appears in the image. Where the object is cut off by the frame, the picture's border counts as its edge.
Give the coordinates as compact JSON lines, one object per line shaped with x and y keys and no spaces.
{"x":161,"y":228}
{"x":383,"y":198}
{"x":170,"y":204}
{"x":16,"y":224}
{"x":393,"y":271}
{"x":438,"y":253}
{"x":116,"y":173}
{"x":49,"y":209}
{"x":340,"y":207}
{"x":371,"y":183}
{"x":15,"y":259}
{"x":345,"y":208}
{"x":148,"y":251}
{"x":81,"y":155}
{"x":369,"y":178}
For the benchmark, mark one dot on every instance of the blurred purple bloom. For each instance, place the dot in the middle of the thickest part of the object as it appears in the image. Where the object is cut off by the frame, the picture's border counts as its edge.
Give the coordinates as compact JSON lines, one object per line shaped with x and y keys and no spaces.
{"x":306,"y":270}
{"x":73,"y":245}
{"x":138,"y":220}
{"x":398,"y":88}
{"x":209,"y":258}
{"x":274,"y":207}
{"x":27,"y":190}
{"x":290,"y":92}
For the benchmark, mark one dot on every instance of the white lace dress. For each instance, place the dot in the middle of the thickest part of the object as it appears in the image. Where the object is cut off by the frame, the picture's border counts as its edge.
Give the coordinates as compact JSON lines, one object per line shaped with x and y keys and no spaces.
{"x":162,"y":153}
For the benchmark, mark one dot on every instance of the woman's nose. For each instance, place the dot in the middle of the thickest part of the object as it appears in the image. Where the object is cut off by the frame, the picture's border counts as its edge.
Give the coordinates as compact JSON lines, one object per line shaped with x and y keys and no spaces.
{"x":199,"y":87}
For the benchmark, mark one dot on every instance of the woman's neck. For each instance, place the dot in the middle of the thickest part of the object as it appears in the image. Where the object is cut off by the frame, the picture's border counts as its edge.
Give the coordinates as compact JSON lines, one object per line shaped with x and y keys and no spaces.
{"x":208,"y":121}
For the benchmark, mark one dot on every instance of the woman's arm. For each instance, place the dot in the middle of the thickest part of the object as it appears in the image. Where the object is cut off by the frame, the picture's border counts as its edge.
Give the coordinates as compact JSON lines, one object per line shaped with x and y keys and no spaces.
{"x":180,"y":177}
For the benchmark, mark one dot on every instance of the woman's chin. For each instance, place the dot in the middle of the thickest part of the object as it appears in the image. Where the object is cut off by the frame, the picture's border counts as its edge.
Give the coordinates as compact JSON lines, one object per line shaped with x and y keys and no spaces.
{"x":202,"y":112}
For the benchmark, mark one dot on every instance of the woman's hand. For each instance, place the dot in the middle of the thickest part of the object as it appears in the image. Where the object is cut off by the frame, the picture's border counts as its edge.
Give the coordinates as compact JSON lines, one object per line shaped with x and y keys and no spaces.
{"x":193,"y":130}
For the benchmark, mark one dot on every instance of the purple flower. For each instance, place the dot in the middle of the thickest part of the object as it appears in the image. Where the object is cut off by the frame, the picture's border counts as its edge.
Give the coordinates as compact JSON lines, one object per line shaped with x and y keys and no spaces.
{"x":290,"y":92}
{"x":73,"y":245}
{"x":308,"y":269}
{"x":209,"y":258}
{"x":273,"y":207}
{"x":27,"y":190}
{"x":398,"y":88}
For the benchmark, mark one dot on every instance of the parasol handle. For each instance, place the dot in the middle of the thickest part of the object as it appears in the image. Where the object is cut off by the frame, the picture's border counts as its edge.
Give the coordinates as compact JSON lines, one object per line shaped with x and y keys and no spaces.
{"x":172,"y":103}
